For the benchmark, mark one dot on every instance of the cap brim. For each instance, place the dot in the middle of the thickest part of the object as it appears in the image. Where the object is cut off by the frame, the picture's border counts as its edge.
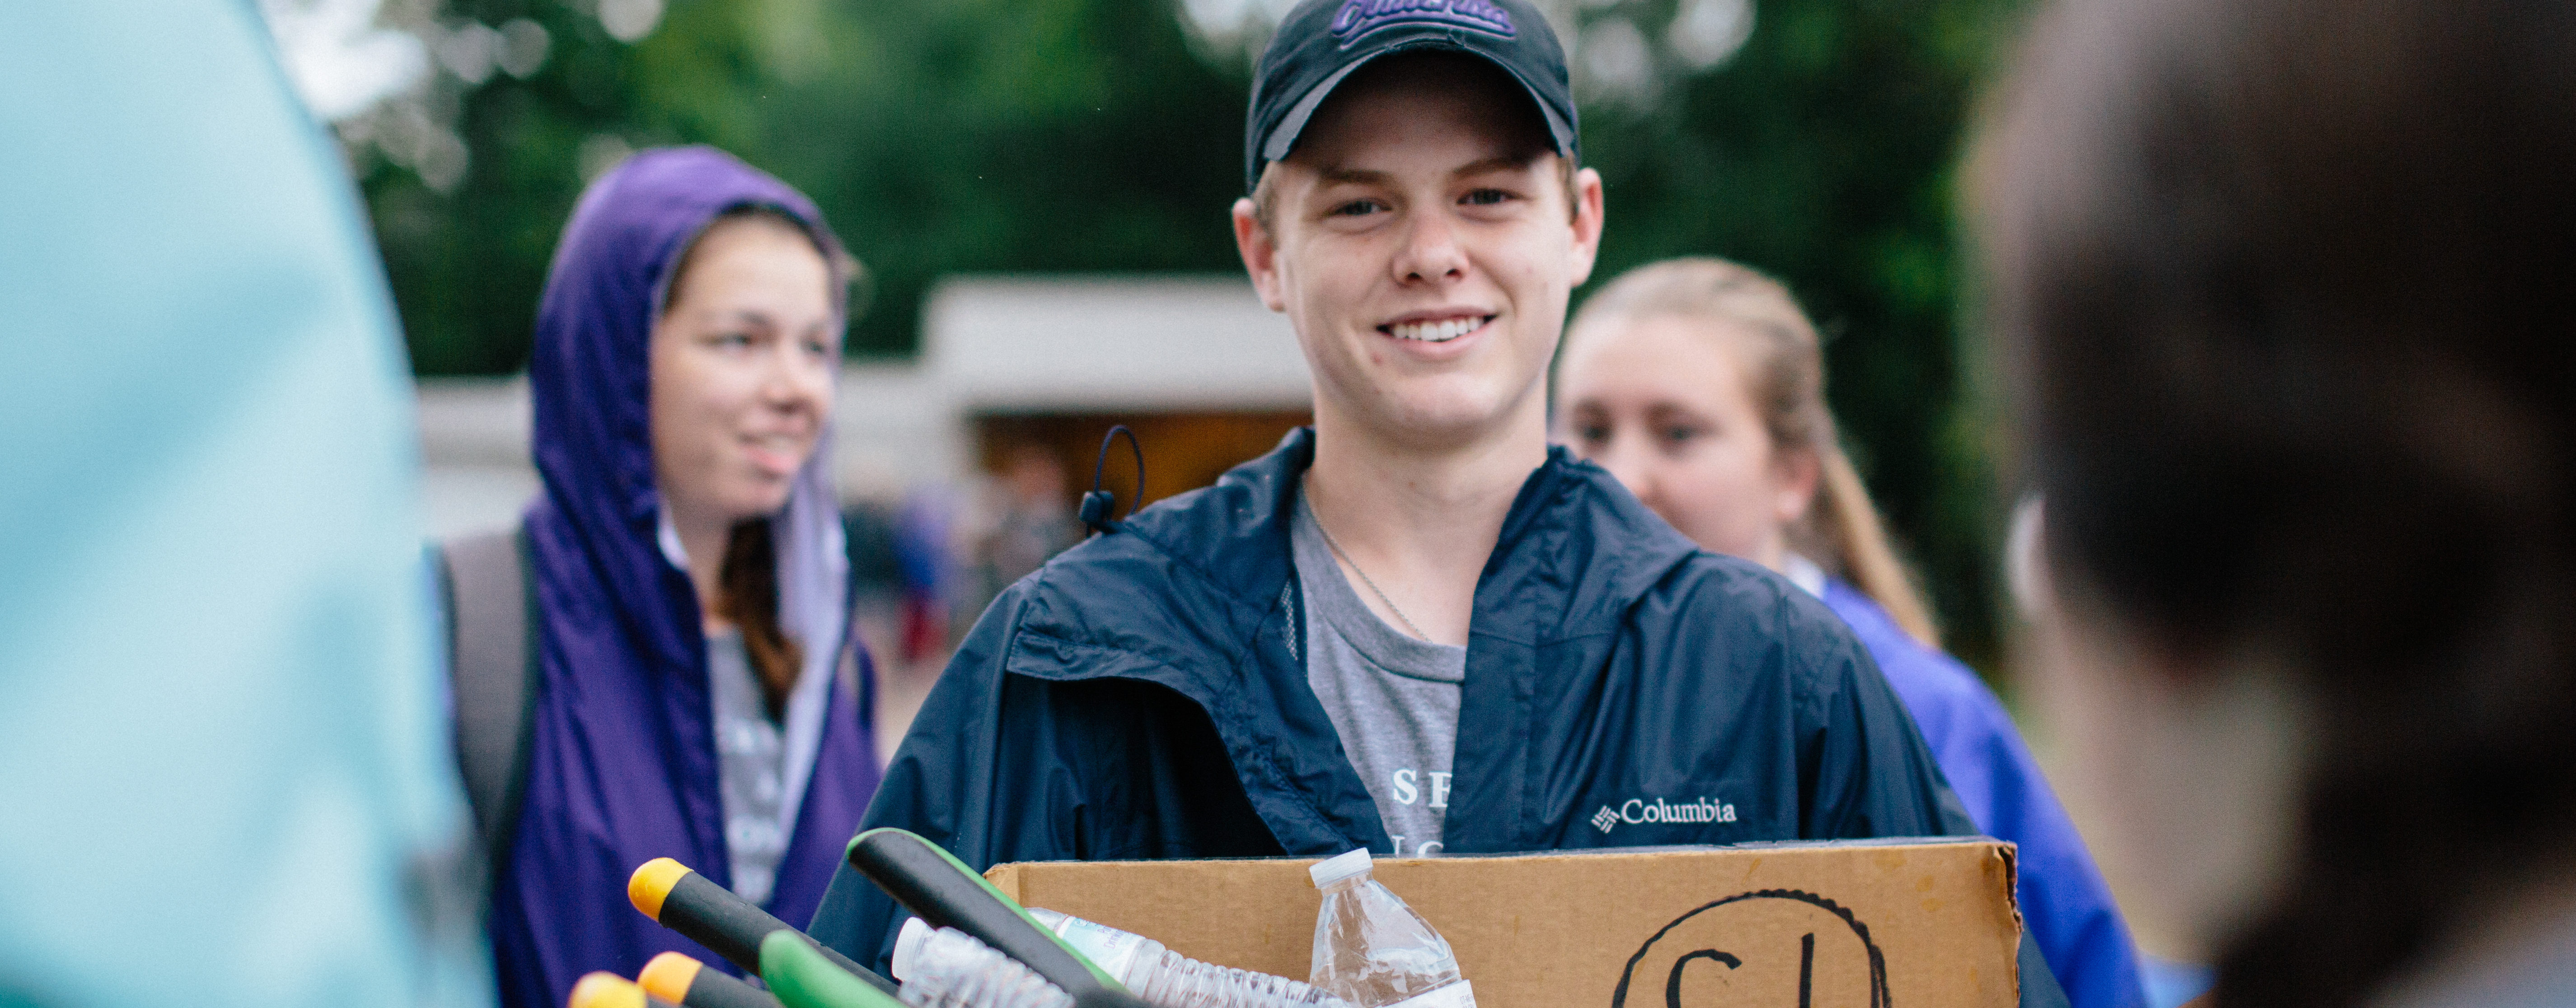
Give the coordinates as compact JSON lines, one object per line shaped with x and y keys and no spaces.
{"x":1283,"y":137}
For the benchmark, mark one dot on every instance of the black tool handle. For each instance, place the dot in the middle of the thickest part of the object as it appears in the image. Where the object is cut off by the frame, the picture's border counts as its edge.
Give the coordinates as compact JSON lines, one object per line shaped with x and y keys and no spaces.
{"x":711,"y":989}
{"x":942,"y":892}
{"x":732,"y":927}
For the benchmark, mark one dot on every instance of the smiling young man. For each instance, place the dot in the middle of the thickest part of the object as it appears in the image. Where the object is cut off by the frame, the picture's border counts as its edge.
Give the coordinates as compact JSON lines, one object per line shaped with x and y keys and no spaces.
{"x":1416,"y":627}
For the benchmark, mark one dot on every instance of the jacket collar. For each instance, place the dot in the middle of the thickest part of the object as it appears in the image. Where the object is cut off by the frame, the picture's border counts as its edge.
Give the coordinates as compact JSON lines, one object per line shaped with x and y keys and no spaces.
{"x":1575,"y":543}
{"x":1225,"y":627}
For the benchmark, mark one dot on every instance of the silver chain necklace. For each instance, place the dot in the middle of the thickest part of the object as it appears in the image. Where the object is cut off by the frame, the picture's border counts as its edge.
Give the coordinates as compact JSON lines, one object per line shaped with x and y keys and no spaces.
{"x":1364,"y":578}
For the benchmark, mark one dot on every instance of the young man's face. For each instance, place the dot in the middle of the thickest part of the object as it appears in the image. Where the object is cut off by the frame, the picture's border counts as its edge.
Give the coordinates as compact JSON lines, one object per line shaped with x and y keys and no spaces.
{"x":1423,"y":243}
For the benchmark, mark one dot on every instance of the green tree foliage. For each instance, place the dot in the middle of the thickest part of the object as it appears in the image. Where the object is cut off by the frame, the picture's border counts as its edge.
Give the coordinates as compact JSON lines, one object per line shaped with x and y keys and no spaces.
{"x":1096,"y":135}
{"x":970,"y":135}
{"x":1823,"y":153}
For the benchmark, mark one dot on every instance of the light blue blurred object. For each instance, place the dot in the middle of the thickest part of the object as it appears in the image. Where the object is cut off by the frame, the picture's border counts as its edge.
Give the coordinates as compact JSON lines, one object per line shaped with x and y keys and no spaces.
{"x":2171,"y":983}
{"x":226,"y":778}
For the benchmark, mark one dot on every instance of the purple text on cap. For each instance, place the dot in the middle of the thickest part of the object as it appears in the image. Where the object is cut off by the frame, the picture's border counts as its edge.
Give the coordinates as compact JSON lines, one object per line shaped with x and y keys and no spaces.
{"x":1359,"y":18}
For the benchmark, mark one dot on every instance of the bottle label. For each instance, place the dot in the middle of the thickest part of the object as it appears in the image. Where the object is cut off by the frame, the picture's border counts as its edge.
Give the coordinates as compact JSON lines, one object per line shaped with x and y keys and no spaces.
{"x":1113,"y":950}
{"x":1455,"y":995}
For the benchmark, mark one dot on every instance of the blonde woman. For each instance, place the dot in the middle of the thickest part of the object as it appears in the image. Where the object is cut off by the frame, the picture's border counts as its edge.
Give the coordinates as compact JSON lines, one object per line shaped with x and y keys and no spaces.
{"x":1698,"y":383}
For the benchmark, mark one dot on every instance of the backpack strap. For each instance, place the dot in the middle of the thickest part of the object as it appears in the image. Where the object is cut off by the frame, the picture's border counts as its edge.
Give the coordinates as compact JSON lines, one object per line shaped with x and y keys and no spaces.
{"x":491,"y":619}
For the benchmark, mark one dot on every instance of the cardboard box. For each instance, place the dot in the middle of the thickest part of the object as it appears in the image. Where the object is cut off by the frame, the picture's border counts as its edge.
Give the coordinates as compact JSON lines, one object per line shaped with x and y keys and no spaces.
{"x":1923,"y":923}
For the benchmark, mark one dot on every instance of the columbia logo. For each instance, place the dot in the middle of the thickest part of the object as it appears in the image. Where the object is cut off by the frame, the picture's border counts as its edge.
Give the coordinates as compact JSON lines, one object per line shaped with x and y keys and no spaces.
{"x":1639,"y":810}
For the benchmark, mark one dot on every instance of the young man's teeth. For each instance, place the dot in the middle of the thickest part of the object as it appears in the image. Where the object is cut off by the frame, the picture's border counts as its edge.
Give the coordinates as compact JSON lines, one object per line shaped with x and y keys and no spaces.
{"x":1434,"y":332}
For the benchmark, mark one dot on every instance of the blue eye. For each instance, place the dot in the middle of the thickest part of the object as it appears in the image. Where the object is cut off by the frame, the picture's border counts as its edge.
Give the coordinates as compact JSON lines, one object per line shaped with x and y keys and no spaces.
{"x":1485,"y":197}
{"x":1357,"y":208}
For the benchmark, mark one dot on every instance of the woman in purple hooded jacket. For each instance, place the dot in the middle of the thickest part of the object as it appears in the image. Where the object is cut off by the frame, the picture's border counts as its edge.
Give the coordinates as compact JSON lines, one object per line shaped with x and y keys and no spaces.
{"x":699,"y":694}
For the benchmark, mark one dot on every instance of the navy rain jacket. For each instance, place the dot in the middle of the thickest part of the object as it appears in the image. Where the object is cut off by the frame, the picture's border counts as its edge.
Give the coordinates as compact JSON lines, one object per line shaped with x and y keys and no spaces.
{"x":1144,"y":696}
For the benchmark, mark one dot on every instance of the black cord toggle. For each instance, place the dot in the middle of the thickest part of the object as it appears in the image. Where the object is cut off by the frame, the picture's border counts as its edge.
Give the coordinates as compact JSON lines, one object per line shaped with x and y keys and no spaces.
{"x":1100,"y":505}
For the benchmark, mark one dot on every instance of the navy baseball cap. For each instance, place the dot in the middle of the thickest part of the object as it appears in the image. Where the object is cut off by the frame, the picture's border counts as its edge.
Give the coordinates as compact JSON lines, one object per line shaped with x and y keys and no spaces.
{"x":1322,"y":41}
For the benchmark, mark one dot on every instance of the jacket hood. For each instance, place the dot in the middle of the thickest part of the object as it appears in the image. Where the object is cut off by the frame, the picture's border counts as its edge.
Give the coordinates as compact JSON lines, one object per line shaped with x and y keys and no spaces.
{"x":590,"y":379}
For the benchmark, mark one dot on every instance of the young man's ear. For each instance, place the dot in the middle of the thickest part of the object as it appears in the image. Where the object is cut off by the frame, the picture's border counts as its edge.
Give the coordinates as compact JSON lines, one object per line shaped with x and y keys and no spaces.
{"x":1587,"y":223}
{"x":1260,"y":254}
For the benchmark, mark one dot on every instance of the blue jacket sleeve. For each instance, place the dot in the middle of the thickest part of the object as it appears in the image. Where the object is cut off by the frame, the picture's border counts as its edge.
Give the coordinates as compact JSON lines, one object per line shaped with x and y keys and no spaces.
{"x":941,"y":786}
{"x":2063,"y":897}
{"x":1866,"y":769}
{"x":1874,"y":775}
{"x":2065,"y":903}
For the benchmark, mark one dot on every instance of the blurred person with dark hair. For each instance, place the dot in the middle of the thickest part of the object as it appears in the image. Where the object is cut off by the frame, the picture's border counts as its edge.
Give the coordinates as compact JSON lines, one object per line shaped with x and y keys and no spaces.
{"x":222,"y":777}
{"x":697,"y":693}
{"x":1022,"y":521}
{"x":2282,"y":290}
{"x":1699,"y":383}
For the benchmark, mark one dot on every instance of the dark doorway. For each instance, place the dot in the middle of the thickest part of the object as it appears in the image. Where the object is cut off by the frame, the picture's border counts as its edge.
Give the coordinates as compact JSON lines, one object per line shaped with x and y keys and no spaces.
{"x":1183,"y":451}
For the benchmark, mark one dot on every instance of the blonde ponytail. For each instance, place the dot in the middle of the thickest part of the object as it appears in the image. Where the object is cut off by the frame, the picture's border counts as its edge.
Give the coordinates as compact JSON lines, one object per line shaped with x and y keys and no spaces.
{"x":1842,"y":516}
{"x":1784,"y":361}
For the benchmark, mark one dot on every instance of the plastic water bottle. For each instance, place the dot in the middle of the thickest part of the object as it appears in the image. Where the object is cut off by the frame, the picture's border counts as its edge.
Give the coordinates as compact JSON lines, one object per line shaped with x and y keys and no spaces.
{"x":1375,"y":952}
{"x":947,"y":968}
{"x":1162,"y":977}
{"x":1168,"y":979}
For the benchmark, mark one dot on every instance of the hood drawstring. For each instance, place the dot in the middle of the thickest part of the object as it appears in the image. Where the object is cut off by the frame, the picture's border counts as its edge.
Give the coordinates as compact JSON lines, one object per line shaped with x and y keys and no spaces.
{"x":1099,"y":505}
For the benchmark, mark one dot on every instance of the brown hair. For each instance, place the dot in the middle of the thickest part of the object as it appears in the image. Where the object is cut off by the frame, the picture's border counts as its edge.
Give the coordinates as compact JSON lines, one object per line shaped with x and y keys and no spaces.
{"x":2281,"y":289}
{"x":1784,"y":363}
{"x":748,"y":596}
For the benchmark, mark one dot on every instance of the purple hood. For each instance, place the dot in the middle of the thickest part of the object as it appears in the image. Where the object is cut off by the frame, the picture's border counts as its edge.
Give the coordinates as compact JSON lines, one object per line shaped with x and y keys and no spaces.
{"x":623,"y":764}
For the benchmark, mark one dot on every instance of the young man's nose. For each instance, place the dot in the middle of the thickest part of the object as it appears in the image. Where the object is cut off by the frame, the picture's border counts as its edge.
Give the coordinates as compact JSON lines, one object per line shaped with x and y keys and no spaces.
{"x":1431,"y":251}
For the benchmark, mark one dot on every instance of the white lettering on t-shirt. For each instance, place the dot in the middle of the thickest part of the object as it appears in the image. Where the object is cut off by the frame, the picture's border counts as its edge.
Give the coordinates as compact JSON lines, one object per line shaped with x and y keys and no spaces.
{"x":1439,"y":789}
{"x":1406,"y":791}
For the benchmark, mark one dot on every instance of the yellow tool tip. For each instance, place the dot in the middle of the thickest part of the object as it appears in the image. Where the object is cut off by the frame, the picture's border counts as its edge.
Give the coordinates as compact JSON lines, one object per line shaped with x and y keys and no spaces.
{"x":668,"y":976}
{"x":652,"y":883}
{"x":606,"y":990}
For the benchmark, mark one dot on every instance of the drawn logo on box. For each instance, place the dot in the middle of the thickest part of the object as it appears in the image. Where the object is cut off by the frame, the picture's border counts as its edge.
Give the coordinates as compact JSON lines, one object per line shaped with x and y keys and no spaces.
{"x":1760,"y":947}
{"x":1640,"y":810}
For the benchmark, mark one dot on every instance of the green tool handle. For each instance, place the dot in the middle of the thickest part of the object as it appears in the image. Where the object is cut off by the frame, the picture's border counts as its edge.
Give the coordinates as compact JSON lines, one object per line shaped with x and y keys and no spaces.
{"x":802,"y":978}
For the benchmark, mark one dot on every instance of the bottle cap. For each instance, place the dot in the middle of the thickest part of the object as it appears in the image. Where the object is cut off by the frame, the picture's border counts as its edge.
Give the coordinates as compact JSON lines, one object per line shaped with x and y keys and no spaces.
{"x":1339,"y":867}
{"x":907,"y":947}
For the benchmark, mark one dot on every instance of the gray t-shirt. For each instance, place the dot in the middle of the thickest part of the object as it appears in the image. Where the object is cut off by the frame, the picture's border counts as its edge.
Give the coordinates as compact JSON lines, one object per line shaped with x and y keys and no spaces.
{"x":751,"y":754}
{"x":1392,"y":697}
